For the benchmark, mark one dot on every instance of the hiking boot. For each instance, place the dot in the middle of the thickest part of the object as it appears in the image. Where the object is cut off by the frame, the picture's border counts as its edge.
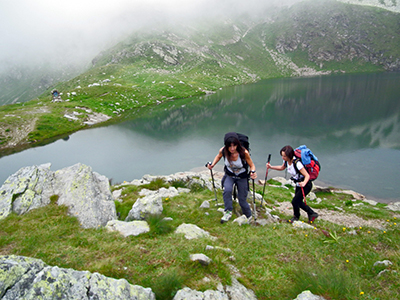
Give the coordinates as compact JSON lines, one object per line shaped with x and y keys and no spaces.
{"x":226,"y":217}
{"x":250,"y":220}
{"x":293,"y":220}
{"x":312,"y":217}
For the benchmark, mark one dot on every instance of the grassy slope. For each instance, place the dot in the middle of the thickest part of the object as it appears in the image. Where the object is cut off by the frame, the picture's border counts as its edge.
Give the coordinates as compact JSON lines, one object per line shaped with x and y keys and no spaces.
{"x":277,"y":261}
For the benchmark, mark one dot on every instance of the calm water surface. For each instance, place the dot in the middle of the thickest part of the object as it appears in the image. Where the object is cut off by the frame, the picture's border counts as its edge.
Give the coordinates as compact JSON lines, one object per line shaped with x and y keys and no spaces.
{"x":351,"y":122}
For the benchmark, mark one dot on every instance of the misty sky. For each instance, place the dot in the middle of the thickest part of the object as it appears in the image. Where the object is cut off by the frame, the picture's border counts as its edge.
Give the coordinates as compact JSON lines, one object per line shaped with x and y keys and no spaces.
{"x":34,"y":31}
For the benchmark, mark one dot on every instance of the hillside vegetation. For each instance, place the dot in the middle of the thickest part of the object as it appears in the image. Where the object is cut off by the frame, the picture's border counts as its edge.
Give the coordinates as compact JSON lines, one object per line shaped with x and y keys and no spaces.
{"x":155,"y":66}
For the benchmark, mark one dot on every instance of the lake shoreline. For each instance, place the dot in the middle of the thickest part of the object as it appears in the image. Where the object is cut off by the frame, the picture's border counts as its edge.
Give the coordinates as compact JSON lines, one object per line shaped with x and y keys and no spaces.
{"x":318,"y":184}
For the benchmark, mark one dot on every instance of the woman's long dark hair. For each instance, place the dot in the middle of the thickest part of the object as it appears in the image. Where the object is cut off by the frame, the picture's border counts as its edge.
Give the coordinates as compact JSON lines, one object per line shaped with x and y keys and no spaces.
{"x":239,"y":147}
{"x":289,"y":152}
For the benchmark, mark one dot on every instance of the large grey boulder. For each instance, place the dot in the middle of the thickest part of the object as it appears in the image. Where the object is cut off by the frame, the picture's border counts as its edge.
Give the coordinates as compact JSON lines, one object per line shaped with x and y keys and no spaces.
{"x":30,"y":278}
{"x":27,"y":189}
{"x":86,"y":193}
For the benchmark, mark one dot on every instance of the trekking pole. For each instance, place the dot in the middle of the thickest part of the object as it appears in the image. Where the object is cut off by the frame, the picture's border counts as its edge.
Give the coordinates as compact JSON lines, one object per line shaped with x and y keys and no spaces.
{"x":254,"y":201}
{"x":265,"y":181}
{"x":213,"y":184}
{"x":304,"y":196}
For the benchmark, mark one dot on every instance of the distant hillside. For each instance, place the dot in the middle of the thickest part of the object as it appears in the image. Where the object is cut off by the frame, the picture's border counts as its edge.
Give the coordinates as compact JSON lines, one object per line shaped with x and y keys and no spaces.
{"x":392,"y":5}
{"x":23,"y":83}
{"x":322,"y":35}
{"x":309,"y":38}
{"x":156,"y":65}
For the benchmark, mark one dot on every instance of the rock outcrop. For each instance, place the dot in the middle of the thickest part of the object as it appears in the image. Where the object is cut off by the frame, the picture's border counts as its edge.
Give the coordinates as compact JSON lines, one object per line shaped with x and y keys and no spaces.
{"x":86,"y":193}
{"x":29,"y":278}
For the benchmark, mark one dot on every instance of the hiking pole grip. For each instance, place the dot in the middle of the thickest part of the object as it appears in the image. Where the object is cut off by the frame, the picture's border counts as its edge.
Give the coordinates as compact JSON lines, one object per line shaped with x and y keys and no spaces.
{"x":304,"y":196}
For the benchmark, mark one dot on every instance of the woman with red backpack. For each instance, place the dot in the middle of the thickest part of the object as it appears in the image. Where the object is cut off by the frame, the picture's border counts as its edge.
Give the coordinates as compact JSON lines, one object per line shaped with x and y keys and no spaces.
{"x":237,"y":162}
{"x":303,"y":183}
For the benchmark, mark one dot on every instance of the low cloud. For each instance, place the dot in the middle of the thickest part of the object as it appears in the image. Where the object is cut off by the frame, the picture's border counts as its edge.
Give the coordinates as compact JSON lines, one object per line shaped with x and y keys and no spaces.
{"x":48,"y":31}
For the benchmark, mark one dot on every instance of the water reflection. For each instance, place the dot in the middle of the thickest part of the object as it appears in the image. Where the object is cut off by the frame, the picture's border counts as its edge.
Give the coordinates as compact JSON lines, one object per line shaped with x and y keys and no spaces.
{"x":351,"y":122}
{"x":342,"y":112}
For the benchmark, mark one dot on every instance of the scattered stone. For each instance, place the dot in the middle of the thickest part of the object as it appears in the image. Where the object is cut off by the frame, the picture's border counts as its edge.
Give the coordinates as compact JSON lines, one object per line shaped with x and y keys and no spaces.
{"x":241,"y":220}
{"x":371,"y":202}
{"x":128,"y":228}
{"x":352,"y":232}
{"x":208,"y":247}
{"x":205,"y":204}
{"x":193,"y":232}
{"x":383,"y":272}
{"x":311,"y":196}
{"x":394,"y":206}
{"x":234,"y":292}
{"x":96,"y":118}
{"x":307,"y":295}
{"x":386,"y":263}
{"x":201,"y":258}
{"x":299,"y":224}
{"x":146,"y":206}
{"x":117,"y":195}
{"x":355,"y":195}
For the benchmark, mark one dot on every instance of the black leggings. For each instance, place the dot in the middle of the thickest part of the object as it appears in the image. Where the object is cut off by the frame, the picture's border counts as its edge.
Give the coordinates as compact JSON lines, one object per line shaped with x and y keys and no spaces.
{"x":297,"y":201}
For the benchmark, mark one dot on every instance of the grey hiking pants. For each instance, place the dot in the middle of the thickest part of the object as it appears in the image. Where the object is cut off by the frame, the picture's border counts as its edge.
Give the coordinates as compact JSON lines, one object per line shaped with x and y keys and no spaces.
{"x":242,"y":187}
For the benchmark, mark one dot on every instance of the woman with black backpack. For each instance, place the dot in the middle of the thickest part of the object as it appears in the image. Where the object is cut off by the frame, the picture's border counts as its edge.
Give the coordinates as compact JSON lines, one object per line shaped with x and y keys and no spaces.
{"x":237,"y":162}
{"x":303,"y":183}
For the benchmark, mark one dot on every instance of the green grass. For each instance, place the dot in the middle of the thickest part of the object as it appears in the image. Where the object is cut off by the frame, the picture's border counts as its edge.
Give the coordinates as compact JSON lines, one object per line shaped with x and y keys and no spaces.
{"x":277,"y":261}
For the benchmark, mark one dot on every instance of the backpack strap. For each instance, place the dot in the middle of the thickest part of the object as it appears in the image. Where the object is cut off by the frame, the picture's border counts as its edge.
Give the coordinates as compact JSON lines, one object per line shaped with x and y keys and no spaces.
{"x":295,"y":161}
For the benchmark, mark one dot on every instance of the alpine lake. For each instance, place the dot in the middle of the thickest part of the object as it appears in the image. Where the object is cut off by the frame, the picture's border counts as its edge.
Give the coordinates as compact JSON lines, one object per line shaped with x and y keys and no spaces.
{"x":350,"y":122}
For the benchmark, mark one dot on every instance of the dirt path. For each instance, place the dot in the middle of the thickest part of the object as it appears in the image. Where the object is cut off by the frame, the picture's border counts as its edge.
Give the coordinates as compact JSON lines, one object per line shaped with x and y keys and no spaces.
{"x":344,"y":219}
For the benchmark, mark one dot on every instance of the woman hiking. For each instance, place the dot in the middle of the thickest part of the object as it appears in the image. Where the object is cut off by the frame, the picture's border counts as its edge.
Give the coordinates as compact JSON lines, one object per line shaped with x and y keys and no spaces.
{"x":237,"y":160}
{"x":303,"y":183}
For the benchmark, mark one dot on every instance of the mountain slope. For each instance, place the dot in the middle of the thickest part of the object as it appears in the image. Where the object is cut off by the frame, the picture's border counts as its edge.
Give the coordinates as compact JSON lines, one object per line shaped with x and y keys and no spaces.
{"x":156,"y":65}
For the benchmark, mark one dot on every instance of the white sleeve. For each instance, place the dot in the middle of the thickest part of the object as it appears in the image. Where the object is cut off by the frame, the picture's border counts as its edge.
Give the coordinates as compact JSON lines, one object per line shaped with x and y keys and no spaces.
{"x":299,"y":165}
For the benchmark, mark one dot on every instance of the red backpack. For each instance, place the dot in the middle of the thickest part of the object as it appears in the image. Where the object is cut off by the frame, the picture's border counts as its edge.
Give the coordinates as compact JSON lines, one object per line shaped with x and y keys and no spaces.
{"x":310,"y":161}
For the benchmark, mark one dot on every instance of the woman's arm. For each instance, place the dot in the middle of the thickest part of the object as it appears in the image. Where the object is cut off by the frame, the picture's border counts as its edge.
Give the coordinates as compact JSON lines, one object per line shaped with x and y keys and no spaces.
{"x":249,"y":161}
{"x":277,"y":168}
{"x":216,"y":159}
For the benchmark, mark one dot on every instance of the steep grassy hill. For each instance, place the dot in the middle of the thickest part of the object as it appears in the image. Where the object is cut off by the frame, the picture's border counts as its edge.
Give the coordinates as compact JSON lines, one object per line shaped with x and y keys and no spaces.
{"x":309,"y":38}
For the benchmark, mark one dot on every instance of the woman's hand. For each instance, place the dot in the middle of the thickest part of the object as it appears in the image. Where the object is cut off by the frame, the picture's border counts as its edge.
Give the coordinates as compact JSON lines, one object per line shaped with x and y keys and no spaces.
{"x":253,"y":175}
{"x":303,"y":183}
{"x":268,"y":165}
